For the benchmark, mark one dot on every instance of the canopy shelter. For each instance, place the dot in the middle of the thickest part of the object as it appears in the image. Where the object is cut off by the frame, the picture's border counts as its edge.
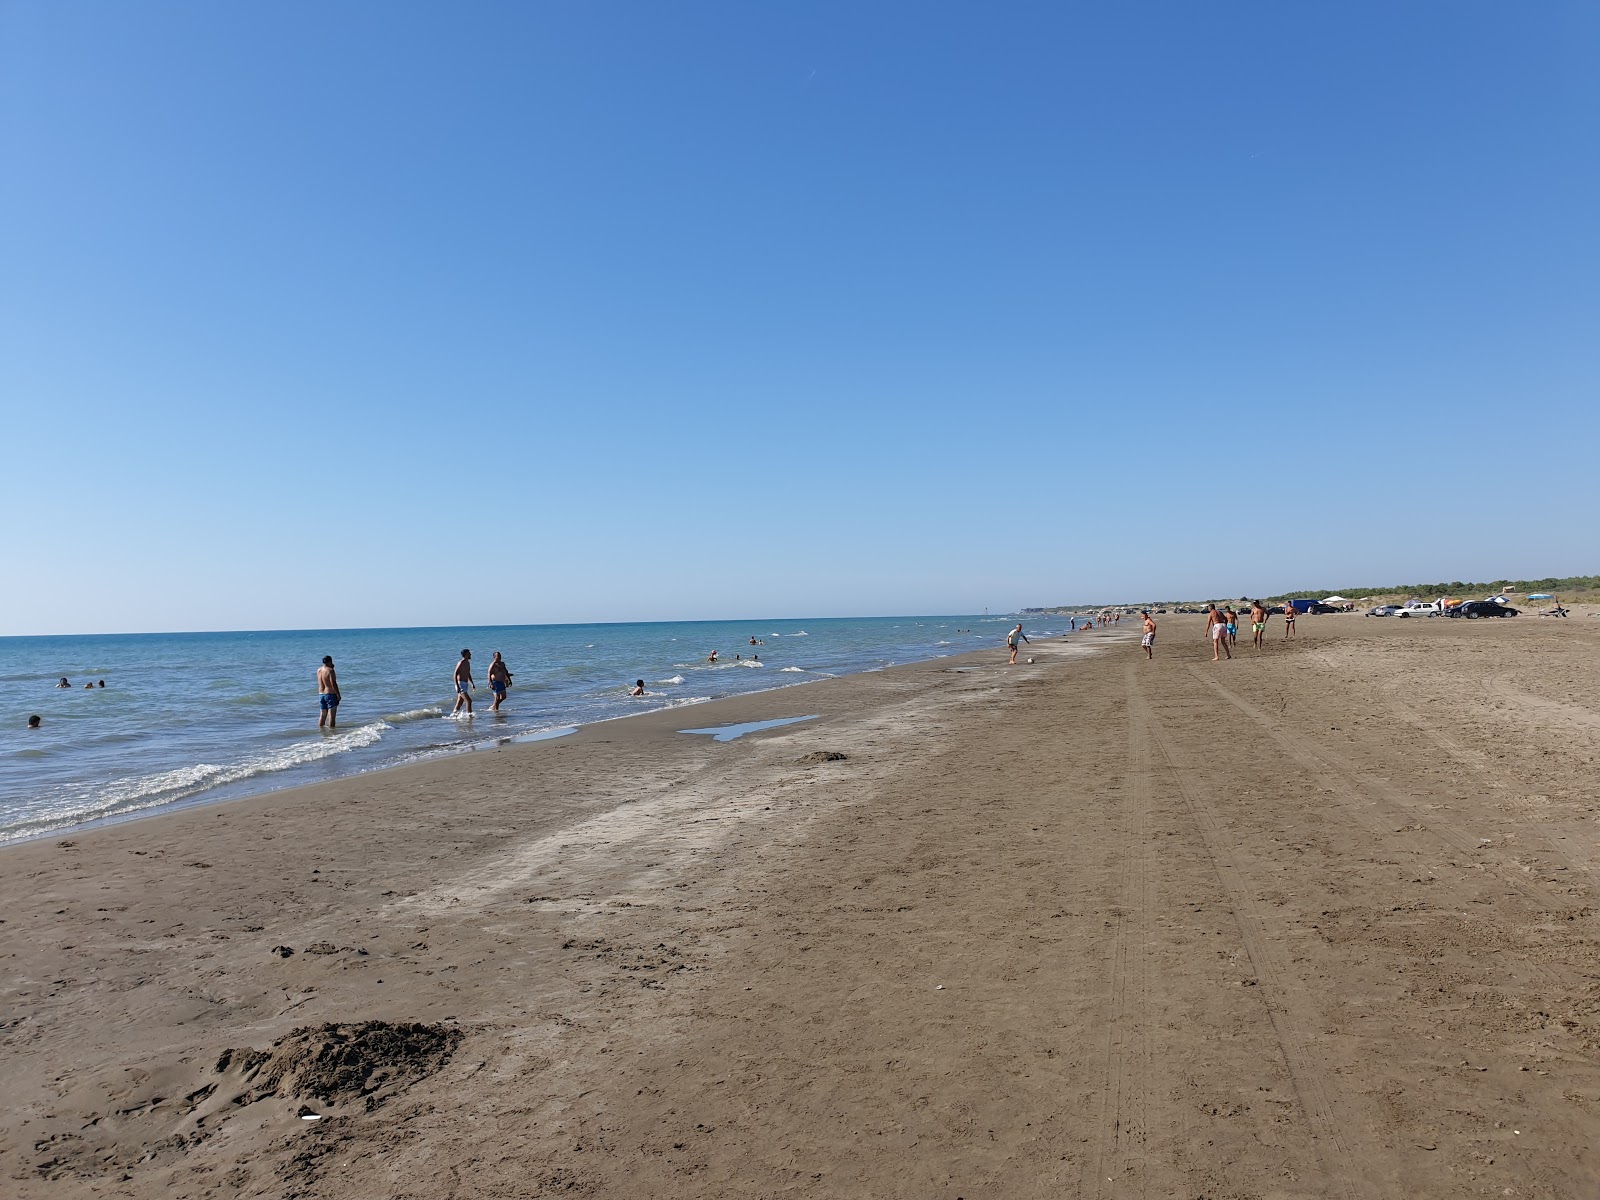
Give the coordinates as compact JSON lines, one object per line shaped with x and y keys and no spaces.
{"x":1540,"y":596}
{"x":1336,"y":600}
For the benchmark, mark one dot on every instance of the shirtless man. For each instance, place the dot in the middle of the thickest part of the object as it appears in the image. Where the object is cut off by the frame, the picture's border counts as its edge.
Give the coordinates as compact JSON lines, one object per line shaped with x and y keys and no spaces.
{"x":328,"y":694}
{"x":1148,"y":641}
{"x":464,"y":683}
{"x":1217,"y":631}
{"x":1258,"y":624}
{"x":1014,"y":640}
{"x":499,"y":681}
{"x":1232,"y":619}
{"x":1288,"y":619}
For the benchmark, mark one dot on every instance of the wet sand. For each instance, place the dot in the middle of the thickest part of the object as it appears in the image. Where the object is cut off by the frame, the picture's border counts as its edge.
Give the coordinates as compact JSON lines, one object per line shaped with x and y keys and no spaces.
{"x":1319,"y":923}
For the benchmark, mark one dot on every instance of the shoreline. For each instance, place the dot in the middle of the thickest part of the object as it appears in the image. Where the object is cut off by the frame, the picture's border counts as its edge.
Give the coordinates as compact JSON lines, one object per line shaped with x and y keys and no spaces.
{"x":244,"y":779}
{"x":974,"y":930}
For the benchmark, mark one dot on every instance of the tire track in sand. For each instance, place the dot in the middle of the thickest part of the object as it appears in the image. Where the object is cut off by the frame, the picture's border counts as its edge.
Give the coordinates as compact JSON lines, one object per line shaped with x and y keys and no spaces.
{"x":1343,"y":779}
{"x":1122,"y":1134}
{"x":1333,"y":1120}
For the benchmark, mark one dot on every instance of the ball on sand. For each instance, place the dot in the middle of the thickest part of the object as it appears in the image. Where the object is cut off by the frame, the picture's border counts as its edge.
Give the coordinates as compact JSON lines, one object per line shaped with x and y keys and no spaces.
{"x":1030,"y":660}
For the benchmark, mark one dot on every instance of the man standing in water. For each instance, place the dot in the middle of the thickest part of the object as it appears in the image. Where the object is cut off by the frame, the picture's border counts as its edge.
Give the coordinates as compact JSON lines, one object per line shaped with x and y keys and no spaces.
{"x":464,"y":684}
{"x":1013,"y":639}
{"x":499,"y":681}
{"x":1148,"y":641}
{"x":1217,"y":631}
{"x":328,"y":694}
{"x":1258,"y":624}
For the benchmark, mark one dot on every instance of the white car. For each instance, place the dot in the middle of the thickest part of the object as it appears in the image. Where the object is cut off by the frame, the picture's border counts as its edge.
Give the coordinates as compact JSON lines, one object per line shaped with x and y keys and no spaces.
{"x":1416,"y":608}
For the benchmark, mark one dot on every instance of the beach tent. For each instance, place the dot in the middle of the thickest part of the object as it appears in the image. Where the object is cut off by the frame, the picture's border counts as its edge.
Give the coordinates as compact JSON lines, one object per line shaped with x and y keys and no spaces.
{"x":1336,"y":600}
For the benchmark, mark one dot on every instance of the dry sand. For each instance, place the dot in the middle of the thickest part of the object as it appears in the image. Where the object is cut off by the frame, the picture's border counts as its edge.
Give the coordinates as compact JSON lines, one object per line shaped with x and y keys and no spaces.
{"x":1319,"y":923}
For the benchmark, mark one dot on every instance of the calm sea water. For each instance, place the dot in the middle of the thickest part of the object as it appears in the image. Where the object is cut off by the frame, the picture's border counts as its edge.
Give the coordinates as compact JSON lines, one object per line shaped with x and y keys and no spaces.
{"x":204,"y":716}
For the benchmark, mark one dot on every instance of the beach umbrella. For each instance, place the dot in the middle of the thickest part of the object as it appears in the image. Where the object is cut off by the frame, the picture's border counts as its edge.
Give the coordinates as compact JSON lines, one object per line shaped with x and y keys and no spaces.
{"x":1540,"y":596}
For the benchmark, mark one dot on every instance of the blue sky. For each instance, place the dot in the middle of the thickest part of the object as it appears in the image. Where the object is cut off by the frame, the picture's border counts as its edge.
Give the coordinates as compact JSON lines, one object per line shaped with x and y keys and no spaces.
{"x":389,"y":313}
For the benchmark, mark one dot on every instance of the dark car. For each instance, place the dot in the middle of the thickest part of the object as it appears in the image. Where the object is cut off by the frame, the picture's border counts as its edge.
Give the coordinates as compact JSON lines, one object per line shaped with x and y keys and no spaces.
{"x":1474,"y":609}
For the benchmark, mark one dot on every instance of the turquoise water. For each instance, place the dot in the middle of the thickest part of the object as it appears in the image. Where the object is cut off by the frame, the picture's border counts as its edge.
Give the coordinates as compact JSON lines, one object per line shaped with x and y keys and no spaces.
{"x":205,"y":716}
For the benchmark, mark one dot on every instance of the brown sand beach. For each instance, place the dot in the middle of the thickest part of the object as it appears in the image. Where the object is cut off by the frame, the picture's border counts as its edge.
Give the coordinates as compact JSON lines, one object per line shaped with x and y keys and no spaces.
{"x":1318,"y":923}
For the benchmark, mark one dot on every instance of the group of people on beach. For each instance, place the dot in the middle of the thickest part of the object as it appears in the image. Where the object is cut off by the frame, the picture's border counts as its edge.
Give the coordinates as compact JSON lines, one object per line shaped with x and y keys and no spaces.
{"x":498,"y":678}
{"x":1222,"y":627}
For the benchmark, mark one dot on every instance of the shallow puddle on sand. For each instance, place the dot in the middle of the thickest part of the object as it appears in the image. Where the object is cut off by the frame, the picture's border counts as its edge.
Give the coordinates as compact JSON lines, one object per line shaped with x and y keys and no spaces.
{"x":543,"y":735}
{"x":726,"y":733}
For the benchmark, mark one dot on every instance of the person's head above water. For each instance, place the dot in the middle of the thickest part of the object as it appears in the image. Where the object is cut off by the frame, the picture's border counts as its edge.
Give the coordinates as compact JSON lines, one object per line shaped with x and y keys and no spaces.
{"x":327,"y":660}
{"x":35,"y":721}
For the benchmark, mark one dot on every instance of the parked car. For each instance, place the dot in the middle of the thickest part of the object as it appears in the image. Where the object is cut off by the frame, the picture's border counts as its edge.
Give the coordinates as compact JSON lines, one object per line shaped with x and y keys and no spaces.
{"x":1383,"y":610}
{"x":1416,"y":608}
{"x":1472,"y":609}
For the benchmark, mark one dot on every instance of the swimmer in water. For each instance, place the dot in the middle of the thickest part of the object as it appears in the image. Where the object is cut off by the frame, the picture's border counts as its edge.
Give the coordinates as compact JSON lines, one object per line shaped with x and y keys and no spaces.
{"x":638,"y":688}
{"x":63,"y":682}
{"x":35,"y":721}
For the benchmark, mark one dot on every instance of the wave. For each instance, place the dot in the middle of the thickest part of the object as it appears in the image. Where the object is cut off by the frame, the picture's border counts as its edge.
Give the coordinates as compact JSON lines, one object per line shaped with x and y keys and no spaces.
{"x":167,"y":787}
{"x":802,"y":633}
{"x":800,"y":669}
{"x":941,"y":643}
{"x":674,"y":679}
{"x":412,"y":714}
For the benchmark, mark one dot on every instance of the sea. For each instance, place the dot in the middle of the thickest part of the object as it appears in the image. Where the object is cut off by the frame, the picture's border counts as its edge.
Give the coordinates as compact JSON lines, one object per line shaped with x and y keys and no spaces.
{"x":188,"y":718}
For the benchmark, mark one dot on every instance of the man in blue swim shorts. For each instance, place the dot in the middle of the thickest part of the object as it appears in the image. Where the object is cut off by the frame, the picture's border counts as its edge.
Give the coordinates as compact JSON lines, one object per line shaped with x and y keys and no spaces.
{"x":328,"y":694}
{"x":499,"y":681}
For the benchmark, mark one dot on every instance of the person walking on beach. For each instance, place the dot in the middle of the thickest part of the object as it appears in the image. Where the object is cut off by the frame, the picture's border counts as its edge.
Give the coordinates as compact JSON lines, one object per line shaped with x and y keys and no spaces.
{"x":1013,"y":639}
{"x":1148,"y":641}
{"x":499,"y":680}
{"x":1233,"y":625}
{"x":464,"y":683}
{"x":1288,"y":619}
{"x":328,"y":696}
{"x":1258,"y":625}
{"x":1217,"y":631}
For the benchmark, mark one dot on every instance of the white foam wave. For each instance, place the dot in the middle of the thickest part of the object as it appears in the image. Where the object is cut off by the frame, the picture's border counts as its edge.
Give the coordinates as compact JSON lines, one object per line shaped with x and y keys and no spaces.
{"x":412,"y":714}
{"x":941,"y":643}
{"x":674,"y":679}
{"x":802,"y":633}
{"x":800,"y":669}
{"x":165,"y":787}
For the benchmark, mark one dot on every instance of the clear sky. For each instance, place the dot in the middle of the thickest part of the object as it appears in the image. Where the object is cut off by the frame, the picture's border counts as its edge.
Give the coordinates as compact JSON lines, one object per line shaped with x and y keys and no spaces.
{"x":397,"y":313}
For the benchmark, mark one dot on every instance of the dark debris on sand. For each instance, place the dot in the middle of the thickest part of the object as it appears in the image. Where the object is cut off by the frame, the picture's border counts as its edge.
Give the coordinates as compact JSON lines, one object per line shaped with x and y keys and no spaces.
{"x":335,"y":1062}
